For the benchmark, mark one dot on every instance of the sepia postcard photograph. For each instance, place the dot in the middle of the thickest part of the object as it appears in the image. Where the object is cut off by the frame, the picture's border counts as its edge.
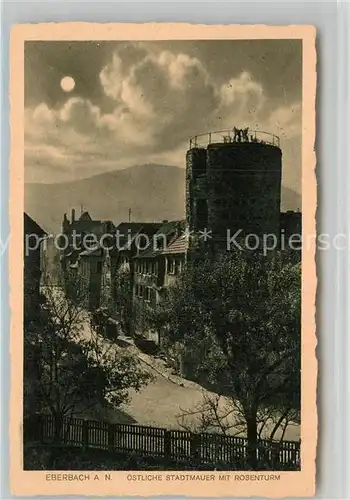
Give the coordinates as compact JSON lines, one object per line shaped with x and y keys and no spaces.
{"x":162,"y":260}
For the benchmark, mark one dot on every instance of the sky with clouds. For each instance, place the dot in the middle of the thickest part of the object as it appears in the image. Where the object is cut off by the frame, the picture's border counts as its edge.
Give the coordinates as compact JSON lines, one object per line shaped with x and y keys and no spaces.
{"x":137,"y":103}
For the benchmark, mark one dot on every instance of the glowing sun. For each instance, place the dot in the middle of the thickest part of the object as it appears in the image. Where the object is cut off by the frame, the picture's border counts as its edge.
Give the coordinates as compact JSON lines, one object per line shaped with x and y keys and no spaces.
{"x":67,"y":84}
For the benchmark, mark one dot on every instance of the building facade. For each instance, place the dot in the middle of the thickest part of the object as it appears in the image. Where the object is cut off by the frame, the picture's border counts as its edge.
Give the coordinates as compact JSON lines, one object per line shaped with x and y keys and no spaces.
{"x":130,"y":238}
{"x":83,"y":255}
{"x":34,"y":235}
{"x":156,"y":268}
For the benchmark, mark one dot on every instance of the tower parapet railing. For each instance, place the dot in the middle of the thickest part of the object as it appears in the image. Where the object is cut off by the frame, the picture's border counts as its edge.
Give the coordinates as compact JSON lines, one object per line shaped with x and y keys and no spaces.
{"x":234,"y":135}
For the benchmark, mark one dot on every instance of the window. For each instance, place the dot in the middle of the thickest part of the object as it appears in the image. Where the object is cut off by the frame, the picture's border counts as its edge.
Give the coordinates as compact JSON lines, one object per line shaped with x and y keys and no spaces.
{"x":124,"y":261}
{"x":90,"y":241}
{"x":159,"y":241}
{"x":148,"y":294}
{"x":178,"y":266}
{"x":141,"y":291}
{"x":171,"y":266}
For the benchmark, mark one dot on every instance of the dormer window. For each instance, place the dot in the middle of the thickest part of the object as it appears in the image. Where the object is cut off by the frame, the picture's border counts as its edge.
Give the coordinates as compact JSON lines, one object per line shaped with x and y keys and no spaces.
{"x":160,"y":241}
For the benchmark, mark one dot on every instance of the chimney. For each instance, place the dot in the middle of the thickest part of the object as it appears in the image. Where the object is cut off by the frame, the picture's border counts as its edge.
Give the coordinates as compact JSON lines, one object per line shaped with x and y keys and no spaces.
{"x":73,"y":215}
{"x":65,"y":223}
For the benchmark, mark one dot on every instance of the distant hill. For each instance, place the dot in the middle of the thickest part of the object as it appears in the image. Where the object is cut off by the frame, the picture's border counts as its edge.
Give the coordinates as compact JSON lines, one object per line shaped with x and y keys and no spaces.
{"x":153,"y":192}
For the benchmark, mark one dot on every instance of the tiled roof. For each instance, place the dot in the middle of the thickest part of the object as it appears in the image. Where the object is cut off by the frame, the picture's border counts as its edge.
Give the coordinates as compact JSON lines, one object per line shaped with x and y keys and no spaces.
{"x":178,"y":246}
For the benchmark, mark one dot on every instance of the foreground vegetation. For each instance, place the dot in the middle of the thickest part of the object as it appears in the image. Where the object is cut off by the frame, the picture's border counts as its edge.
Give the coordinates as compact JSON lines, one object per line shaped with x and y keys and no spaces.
{"x":234,"y":322}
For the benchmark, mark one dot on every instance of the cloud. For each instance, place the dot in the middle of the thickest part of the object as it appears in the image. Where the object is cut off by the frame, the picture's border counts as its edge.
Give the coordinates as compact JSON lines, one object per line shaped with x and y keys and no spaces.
{"x":286,"y":120}
{"x":162,"y":92}
{"x":80,"y":115}
{"x":159,"y":99}
{"x":242,"y":95}
{"x":43,"y":115}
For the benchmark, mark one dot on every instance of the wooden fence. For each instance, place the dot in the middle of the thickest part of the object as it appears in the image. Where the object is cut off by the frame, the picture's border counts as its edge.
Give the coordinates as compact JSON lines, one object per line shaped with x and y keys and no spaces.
{"x":173,"y":445}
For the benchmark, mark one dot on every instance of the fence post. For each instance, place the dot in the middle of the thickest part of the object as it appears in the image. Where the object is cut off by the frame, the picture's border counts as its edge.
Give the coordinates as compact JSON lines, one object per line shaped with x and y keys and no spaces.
{"x":111,"y":437}
{"x":167,"y":445}
{"x":275,"y":455}
{"x":297,"y":454}
{"x":195,"y":447}
{"x":85,"y":433}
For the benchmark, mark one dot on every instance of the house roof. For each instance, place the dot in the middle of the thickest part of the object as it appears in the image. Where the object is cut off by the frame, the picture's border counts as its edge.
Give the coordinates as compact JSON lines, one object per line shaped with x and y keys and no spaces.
{"x":133,"y":227}
{"x":148,"y":253}
{"x":85,"y":225}
{"x":85,"y":216}
{"x":176,"y":244}
{"x":170,"y":227}
{"x":32,"y":227}
{"x":127,"y":232}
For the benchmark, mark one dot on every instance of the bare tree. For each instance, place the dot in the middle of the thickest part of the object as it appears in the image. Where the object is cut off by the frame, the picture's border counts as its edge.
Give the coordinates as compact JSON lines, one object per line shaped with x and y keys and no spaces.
{"x":74,"y":367}
{"x":238,"y":320}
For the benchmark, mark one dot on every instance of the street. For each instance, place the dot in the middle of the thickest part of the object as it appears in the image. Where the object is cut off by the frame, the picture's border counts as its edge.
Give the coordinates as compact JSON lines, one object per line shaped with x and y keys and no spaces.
{"x":167,"y":397}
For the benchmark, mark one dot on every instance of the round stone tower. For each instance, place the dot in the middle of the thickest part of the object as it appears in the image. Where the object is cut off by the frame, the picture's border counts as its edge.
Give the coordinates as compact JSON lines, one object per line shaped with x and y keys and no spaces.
{"x":233,"y":182}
